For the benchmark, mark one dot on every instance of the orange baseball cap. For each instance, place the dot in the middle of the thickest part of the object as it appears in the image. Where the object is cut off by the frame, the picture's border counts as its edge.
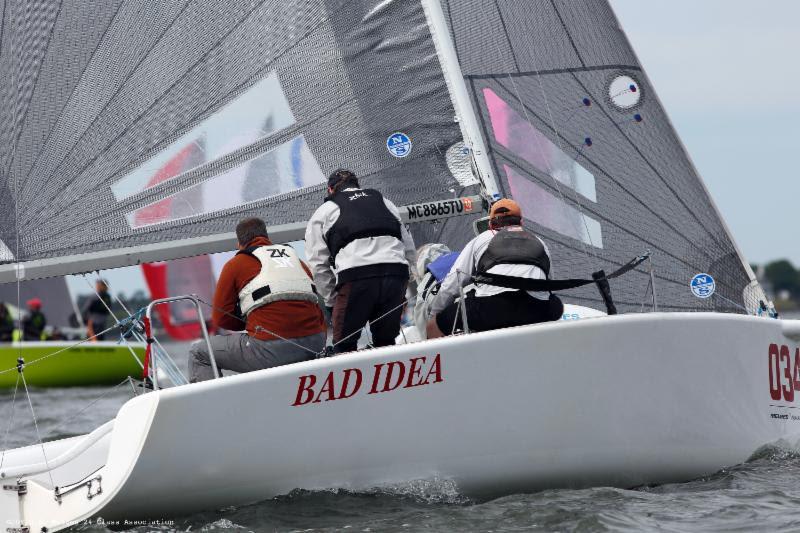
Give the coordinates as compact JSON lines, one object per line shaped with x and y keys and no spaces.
{"x":505,"y":207}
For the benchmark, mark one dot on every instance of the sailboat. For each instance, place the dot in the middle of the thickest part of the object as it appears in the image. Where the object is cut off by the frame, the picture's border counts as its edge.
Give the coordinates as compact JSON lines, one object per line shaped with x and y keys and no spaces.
{"x":443,"y":105}
{"x":105,"y":362}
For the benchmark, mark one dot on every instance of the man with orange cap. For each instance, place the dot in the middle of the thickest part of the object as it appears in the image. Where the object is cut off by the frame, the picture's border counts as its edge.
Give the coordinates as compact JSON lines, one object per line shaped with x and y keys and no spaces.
{"x":509,"y":254}
{"x":34,"y":322}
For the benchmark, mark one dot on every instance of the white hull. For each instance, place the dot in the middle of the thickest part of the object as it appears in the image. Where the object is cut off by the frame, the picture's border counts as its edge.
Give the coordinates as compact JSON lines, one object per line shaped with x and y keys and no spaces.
{"x":622,"y":401}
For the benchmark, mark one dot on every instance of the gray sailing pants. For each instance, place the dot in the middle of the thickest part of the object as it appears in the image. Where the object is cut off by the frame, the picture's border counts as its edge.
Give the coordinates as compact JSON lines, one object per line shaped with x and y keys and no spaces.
{"x":241,"y":353}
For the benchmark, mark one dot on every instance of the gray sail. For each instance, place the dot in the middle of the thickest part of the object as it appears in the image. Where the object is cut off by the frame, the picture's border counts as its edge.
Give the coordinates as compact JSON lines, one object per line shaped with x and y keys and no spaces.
{"x":577,"y":136}
{"x":102,"y":104}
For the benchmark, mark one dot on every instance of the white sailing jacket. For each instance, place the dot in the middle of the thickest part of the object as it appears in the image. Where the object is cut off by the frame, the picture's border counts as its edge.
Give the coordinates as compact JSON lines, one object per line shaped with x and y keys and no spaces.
{"x":466,"y":265}
{"x":366,"y":252}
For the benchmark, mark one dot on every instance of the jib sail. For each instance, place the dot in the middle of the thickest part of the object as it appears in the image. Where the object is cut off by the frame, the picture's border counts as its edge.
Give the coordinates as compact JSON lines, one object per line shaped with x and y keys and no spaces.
{"x":576,"y":135}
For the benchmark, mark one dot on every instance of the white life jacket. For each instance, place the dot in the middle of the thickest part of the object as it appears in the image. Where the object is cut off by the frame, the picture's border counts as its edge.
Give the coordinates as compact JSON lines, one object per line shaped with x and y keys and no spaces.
{"x":281,"y":278}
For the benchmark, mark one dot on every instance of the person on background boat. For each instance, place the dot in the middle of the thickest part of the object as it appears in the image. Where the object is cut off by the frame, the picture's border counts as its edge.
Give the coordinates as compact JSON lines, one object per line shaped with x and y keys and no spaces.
{"x":34,"y":322}
{"x":266,"y":290}
{"x":6,"y":324}
{"x":506,"y":249}
{"x":96,"y":311}
{"x":360,"y":253}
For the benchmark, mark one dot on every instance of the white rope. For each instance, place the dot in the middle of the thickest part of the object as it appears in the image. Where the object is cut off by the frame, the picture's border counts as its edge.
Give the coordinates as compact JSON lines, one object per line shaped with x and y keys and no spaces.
{"x":58,"y":352}
{"x":387,"y":313}
{"x":119,"y":324}
{"x":10,"y":423}
{"x":87,"y":406}
{"x":36,"y":425}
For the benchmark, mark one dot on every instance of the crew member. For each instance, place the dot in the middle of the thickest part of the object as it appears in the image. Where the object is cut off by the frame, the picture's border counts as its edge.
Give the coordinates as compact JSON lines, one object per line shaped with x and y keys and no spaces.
{"x":266,"y":290}
{"x":506,"y":250}
{"x":96,"y":311}
{"x":6,"y":324}
{"x":34,"y":322}
{"x":360,"y":254}
{"x":434,"y":261}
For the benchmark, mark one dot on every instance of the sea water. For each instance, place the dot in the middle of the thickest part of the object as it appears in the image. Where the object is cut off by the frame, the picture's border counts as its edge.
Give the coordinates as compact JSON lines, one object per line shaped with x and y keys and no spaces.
{"x":761,"y":495}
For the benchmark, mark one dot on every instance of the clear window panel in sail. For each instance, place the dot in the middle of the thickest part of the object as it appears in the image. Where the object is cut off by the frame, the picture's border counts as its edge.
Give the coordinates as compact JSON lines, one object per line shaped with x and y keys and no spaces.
{"x":517,"y":135}
{"x":288,"y":167}
{"x":543,"y":208}
{"x":256,"y":113}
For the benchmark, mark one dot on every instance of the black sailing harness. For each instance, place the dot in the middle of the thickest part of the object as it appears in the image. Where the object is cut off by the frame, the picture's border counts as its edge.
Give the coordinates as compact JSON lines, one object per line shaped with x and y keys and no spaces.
{"x":514,"y":250}
{"x":514,"y":246}
{"x":362,"y":214}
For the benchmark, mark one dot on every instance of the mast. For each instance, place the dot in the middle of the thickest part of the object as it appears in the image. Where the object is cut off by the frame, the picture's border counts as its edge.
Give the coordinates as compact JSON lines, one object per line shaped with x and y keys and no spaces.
{"x":465,"y":113}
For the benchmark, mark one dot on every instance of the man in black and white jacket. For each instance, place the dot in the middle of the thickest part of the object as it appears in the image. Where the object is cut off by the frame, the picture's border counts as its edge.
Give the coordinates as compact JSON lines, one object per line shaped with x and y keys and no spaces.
{"x":509,"y":251}
{"x":359,"y":253}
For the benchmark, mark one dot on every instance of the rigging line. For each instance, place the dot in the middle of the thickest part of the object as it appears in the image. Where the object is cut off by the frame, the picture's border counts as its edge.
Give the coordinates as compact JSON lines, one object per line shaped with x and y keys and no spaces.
{"x":258,"y":328}
{"x":555,"y":130}
{"x":740,"y":306}
{"x":16,"y":224}
{"x":538,"y":146}
{"x":52,"y":432}
{"x":575,"y":48}
{"x":36,"y":425}
{"x":577,"y":201}
{"x":59,"y":352}
{"x":647,"y":161}
{"x":516,"y":162}
{"x":10,"y":423}
{"x":633,"y":196}
{"x":387,"y":313}
{"x":558,"y":239}
{"x":646,"y":292}
{"x":118,"y":323}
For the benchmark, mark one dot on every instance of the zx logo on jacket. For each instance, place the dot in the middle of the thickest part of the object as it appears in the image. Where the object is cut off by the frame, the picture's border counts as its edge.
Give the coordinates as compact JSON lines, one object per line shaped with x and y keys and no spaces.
{"x":278,"y":253}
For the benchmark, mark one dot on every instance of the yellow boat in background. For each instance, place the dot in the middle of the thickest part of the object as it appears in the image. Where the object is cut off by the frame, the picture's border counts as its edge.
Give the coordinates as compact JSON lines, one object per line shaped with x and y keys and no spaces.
{"x":65,"y":364}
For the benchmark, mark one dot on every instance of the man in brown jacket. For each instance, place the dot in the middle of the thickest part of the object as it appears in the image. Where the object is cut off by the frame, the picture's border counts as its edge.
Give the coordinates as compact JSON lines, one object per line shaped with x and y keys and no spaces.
{"x":269,"y":291}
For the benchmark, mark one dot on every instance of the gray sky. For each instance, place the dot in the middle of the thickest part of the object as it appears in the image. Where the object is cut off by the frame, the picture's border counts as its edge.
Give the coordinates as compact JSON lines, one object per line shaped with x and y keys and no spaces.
{"x":727,"y":75}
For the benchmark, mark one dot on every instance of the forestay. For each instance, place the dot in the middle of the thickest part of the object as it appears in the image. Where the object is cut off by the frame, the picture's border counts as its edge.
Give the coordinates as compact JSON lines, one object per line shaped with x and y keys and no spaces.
{"x":577,"y":136}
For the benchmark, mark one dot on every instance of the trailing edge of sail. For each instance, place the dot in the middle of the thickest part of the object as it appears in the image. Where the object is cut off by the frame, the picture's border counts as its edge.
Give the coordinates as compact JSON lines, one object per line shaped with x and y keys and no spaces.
{"x":126,"y":124}
{"x":577,"y":136}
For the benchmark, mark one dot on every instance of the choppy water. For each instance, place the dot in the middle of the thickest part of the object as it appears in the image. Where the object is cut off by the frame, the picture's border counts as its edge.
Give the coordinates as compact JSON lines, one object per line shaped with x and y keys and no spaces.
{"x":761,"y":495}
